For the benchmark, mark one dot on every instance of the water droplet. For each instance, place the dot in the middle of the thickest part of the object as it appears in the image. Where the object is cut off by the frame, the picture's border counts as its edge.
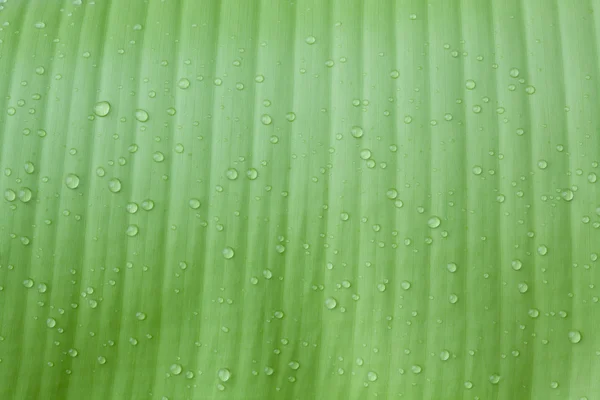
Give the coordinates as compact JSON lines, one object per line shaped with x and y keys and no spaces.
{"x":141,"y":115}
{"x":183,"y":83}
{"x":141,"y":316}
{"x":330,"y":303}
{"x":266,"y":119}
{"x":114,"y":185}
{"x":470,"y":84}
{"x":514,"y":72}
{"x":231,"y":174}
{"x":516,"y":265}
{"x":147,"y":205}
{"x":405,"y":285}
{"x":416,"y":369}
{"x":28,"y":283}
{"x":344,"y":216}
{"x":72,"y":181}
{"x":290,"y":116}
{"x":175,"y":369}
{"x":391,"y":194}
{"x":224,"y":374}
{"x":468,"y":385}
{"x":51,"y":323}
{"x":542,"y":250}
{"x":523,"y":287}
{"x":132,"y":230}
{"x":434,"y":222}
{"x":357,"y":131}
{"x":25,"y":194}
{"x":530,"y":89}
{"x":29,"y":167}
{"x":533,"y":312}
{"x":158,"y":156}
{"x":310,"y":40}
{"x":294,"y":365}
{"x":228,"y":253}
{"x":574,"y":337}
{"x":453,"y":298}
{"x":194,"y":204}
{"x":102,"y":108}
{"x":252,"y":174}
{"x":372,"y":376}
{"x":542,"y":164}
{"x":395,"y":74}
{"x":592,"y":177}
{"x":10,"y":195}
{"x":365,"y":154}
{"x":451,"y":267}
{"x":444,"y":355}
{"x":494,"y":379}
{"x":567,"y":194}
{"x":131,"y":208}
{"x":73,"y":353}
{"x":101,"y":360}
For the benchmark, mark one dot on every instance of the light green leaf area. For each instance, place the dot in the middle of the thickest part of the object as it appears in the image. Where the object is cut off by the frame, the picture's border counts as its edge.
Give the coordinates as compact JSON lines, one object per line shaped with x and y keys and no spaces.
{"x":308,"y":199}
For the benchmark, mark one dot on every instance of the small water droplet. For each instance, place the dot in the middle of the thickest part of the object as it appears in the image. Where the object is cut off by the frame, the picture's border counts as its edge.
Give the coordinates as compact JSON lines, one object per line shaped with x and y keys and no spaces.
{"x":310,"y":40}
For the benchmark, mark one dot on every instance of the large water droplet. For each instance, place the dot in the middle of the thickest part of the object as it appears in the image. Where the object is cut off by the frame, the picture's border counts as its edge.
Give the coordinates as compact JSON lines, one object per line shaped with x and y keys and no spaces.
{"x":141,"y":115}
{"x":434,"y":222}
{"x":114,"y":185}
{"x":372,"y":376}
{"x":72,"y":181}
{"x":224,"y":374}
{"x":330,"y":303}
{"x":574,"y":336}
{"x":357,"y":131}
{"x":102,"y":108}
{"x":228,"y":253}
{"x":175,"y":369}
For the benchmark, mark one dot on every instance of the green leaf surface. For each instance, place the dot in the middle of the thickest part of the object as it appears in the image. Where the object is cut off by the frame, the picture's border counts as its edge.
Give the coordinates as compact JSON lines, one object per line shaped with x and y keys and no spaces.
{"x":310,"y":199}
